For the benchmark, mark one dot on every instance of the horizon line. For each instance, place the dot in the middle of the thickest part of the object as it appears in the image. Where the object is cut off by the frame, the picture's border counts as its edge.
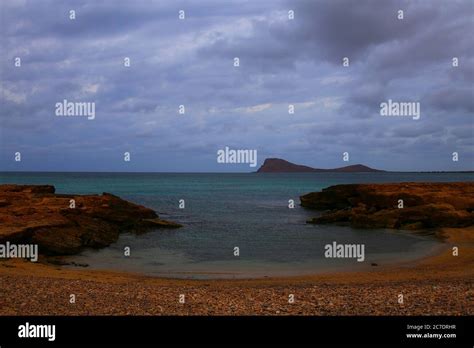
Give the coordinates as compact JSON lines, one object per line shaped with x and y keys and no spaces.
{"x":254,"y":172}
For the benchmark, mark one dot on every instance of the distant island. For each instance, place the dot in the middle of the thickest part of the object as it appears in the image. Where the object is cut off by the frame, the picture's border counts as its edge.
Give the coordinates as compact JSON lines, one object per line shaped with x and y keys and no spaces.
{"x":278,"y":165}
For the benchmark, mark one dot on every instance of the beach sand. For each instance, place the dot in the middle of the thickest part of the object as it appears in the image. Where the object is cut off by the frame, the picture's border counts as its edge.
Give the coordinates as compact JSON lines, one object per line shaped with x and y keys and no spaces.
{"x":441,"y":284}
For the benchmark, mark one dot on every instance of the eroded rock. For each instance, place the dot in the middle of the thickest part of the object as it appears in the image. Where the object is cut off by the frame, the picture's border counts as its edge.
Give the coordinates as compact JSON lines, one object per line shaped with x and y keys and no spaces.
{"x":35,"y":214}
{"x":425,"y":205}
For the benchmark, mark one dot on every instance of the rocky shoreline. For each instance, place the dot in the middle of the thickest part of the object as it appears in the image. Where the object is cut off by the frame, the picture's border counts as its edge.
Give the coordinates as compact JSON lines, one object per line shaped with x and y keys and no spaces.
{"x":63,"y":224}
{"x":441,"y":284}
{"x":407,"y":206}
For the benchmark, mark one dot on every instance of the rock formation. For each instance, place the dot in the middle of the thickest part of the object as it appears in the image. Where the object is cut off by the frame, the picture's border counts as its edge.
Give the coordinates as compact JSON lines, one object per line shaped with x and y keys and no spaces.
{"x":410,"y":206}
{"x":35,"y":214}
{"x":277,"y":165}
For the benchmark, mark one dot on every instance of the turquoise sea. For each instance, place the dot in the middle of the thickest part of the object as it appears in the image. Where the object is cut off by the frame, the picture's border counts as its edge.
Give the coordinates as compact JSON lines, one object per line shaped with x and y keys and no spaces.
{"x":246,"y":210}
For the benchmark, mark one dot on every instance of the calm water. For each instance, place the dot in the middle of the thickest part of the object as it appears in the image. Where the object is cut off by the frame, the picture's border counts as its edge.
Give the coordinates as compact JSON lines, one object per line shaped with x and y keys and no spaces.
{"x":223,"y":211}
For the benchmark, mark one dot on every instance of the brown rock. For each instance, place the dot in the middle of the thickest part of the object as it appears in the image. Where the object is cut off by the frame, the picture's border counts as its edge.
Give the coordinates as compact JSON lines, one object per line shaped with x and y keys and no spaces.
{"x":425,"y":205}
{"x":35,"y":214}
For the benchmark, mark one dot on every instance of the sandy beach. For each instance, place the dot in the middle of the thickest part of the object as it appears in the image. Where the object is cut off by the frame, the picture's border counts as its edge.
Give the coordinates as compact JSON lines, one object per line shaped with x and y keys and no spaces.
{"x":441,"y":284}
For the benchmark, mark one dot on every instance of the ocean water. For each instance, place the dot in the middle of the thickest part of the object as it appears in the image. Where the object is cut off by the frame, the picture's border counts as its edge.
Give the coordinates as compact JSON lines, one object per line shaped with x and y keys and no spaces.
{"x":249,"y":211}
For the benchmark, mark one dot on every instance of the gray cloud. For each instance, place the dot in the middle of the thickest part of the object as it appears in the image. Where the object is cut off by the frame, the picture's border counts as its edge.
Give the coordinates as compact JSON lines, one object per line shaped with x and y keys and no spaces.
{"x":190,"y":62}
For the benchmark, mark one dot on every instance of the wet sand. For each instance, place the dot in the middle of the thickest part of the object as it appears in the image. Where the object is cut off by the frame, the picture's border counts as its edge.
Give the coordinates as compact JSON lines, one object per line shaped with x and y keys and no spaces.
{"x":441,"y":284}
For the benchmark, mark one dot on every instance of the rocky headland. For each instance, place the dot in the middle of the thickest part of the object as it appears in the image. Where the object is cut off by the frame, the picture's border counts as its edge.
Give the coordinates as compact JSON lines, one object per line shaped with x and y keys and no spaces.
{"x":278,"y":165}
{"x":64,"y":224}
{"x":409,"y":206}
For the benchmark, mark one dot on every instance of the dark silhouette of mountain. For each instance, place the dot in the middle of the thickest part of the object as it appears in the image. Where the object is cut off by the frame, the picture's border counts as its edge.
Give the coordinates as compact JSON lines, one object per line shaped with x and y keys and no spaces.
{"x":277,"y":165}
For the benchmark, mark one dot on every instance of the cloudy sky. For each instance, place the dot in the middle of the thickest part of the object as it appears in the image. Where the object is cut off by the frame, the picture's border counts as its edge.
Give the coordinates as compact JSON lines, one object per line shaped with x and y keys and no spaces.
{"x":190,"y":62}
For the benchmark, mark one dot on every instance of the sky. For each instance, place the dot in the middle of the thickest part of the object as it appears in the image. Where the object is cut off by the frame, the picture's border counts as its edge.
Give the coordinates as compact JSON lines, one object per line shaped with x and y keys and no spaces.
{"x":190,"y":62}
